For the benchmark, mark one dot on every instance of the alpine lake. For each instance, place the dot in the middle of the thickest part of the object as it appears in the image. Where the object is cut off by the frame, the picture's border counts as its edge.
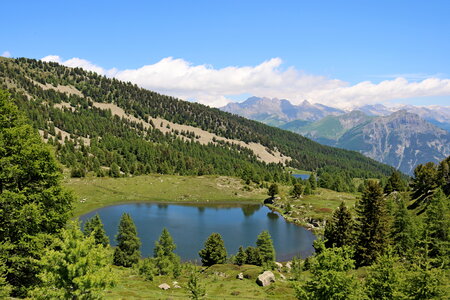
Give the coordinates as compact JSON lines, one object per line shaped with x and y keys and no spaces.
{"x":191,"y":224}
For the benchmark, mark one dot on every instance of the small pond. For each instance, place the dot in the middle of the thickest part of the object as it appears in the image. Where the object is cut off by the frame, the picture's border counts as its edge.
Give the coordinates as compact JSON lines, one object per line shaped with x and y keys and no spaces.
{"x":190,"y":225}
{"x":301,"y":176}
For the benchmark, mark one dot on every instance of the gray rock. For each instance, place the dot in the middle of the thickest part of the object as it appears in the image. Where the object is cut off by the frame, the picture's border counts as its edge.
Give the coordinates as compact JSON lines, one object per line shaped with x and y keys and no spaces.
{"x":265,"y":278}
{"x":279,"y":266}
{"x":240,"y":276}
{"x":164,"y":286}
{"x":289,"y":265}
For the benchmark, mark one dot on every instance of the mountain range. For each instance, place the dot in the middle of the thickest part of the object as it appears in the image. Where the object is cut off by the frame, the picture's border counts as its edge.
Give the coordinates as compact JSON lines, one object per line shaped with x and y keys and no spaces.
{"x":402,"y":136}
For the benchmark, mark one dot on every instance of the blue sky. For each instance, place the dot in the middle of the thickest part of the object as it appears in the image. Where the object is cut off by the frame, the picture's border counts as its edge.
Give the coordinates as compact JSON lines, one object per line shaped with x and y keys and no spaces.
{"x":317,"y":46}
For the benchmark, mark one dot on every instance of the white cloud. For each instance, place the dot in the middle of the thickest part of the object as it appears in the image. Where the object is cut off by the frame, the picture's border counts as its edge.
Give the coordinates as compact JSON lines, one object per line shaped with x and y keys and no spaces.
{"x":6,"y":54}
{"x":211,"y":86}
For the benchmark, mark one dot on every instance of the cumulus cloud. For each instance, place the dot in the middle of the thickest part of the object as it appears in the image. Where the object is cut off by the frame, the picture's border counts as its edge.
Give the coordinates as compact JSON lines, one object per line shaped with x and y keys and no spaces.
{"x":215,"y":87}
{"x":6,"y":54}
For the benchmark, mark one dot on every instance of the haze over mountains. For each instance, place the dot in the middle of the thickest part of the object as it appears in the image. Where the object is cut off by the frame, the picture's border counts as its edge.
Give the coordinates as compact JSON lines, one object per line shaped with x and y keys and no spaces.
{"x":402,"y":136}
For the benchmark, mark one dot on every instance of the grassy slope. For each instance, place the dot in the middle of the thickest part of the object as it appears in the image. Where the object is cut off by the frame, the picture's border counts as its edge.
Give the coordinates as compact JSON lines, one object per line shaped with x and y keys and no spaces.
{"x":99,"y":192}
{"x":132,"y":286}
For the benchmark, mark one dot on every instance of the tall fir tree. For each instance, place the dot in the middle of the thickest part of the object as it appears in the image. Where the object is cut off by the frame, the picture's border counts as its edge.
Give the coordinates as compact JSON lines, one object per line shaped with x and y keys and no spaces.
{"x":76,"y":268}
{"x":127,"y":252}
{"x":313,"y":181}
{"x":273,"y":190}
{"x":33,"y":203}
{"x":95,"y":227}
{"x":371,"y":225}
{"x":166,"y":261}
{"x":241,"y":257}
{"x":403,"y":231}
{"x":394,"y":183}
{"x":266,"y":249}
{"x":437,"y":227}
{"x":214,"y":251}
{"x":339,"y":230}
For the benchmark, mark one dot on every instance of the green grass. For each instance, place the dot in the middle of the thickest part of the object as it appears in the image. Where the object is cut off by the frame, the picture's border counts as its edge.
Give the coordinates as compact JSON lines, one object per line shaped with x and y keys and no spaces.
{"x":92,"y":193}
{"x":132,"y":286}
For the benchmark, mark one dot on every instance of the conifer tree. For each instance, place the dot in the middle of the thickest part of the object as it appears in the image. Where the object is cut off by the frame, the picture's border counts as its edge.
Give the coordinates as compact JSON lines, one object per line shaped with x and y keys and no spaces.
{"x":33,"y":203}
{"x":371,"y":225}
{"x":308,"y":189}
{"x":196,"y":289}
{"x":214,"y":251}
{"x":266,"y":248}
{"x":330,"y":278}
{"x":339,"y":231}
{"x":403,"y":230}
{"x":127,"y":252}
{"x":313,"y":181}
{"x":437,"y":226}
{"x":394,"y":183}
{"x":76,"y":268}
{"x":273,"y":190}
{"x":166,"y":261}
{"x":95,"y":227}
{"x":297,"y":191}
{"x":384,"y":279}
{"x":253,"y":256}
{"x":241,"y":257}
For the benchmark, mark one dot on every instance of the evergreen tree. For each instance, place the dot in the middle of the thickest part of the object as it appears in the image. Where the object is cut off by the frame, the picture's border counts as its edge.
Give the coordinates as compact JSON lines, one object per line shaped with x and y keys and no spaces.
{"x":5,"y":288}
{"x":76,"y":268}
{"x":127,"y":252}
{"x":273,"y":190}
{"x":403,"y":230}
{"x":95,"y":227}
{"x":147,"y":268}
{"x":195,"y":287}
{"x":114,"y":170}
{"x":308,"y":190}
{"x":253,"y":256}
{"x":330,"y":278}
{"x":214,"y":251}
{"x":166,"y":261}
{"x":394,"y":183}
{"x":424,"y":283}
{"x":339,"y":231}
{"x":266,"y":248}
{"x":297,"y":191}
{"x":423,"y":184}
{"x":241,"y":257}
{"x":33,"y":203}
{"x":437,"y":226}
{"x":371,"y":225}
{"x":313,"y":181}
{"x":383,"y":279}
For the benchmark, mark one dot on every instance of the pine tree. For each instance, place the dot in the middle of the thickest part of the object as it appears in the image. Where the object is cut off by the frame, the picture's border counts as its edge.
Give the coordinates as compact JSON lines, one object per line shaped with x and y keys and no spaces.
{"x":403,"y":230}
{"x":5,"y":288}
{"x":383,"y":279}
{"x":214,"y":251}
{"x":308,"y":189}
{"x":313,"y":181}
{"x":241,"y":257}
{"x":297,"y":191}
{"x":437,"y":226}
{"x":394,"y":183}
{"x":266,"y":248}
{"x":33,"y":203}
{"x":76,"y":268}
{"x":330,"y":278}
{"x":195,"y":287}
{"x":273,"y":190}
{"x":371,"y":225}
{"x":253,"y":256}
{"x":127,"y":252}
{"x":166,"y":261}
{"x":95,"y":227}
{"x":339,"y":231}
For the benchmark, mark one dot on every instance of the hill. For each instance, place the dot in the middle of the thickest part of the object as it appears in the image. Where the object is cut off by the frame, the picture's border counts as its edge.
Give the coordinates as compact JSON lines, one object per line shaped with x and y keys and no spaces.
{"x":103,"y":125}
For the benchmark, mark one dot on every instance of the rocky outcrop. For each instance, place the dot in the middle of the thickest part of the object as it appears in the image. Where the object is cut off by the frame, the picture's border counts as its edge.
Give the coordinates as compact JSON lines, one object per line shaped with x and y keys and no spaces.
{"x":265,"y":278}
{"x":164,"y":286}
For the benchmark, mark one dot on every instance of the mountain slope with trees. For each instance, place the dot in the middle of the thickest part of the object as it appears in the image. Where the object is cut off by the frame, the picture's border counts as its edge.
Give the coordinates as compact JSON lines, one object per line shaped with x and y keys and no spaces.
{"x":61,"y":102}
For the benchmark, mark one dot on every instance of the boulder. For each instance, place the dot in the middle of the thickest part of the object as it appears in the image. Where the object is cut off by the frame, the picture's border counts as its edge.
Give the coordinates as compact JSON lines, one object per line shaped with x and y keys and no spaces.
{"x":240,"y":276}
{"x":289,"y":266}
{"x":265,"y":278}
{"x":164,"y":286}
{"x":279,"y":266}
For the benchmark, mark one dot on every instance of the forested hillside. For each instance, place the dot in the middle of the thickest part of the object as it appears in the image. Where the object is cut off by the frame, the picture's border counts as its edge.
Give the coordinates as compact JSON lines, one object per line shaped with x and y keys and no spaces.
{"x":68,"y":106}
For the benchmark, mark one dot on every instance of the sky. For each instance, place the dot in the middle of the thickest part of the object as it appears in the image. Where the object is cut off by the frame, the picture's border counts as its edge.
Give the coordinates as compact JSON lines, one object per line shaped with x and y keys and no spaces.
{"x":340,"y":53}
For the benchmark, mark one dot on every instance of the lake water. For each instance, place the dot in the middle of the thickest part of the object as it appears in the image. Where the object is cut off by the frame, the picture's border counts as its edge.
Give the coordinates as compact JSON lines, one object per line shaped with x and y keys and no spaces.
{"x":302,"y":176}
{"x":191,"y":225}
